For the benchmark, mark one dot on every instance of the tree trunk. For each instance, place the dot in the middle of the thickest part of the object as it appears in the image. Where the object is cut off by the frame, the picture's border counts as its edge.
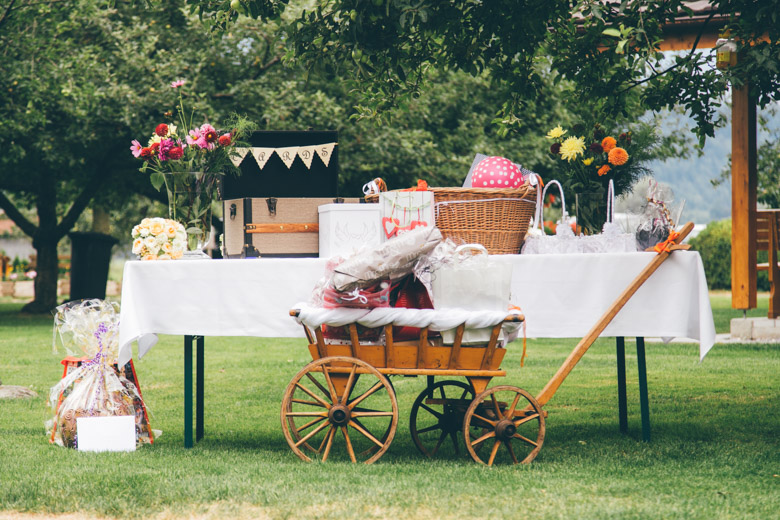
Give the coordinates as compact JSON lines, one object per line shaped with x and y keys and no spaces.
{"x":46,"y":281}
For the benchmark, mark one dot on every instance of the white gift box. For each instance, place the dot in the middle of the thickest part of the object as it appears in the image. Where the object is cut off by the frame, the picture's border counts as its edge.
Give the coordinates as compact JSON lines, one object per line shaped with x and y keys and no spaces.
{"x":345,"y":228}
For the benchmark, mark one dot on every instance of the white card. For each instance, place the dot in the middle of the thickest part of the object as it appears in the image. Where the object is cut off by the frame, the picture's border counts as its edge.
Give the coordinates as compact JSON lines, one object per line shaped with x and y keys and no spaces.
{"x":106,"y":433}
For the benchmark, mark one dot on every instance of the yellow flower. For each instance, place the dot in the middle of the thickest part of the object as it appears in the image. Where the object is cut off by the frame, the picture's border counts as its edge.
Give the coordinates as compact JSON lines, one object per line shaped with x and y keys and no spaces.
{"x":571,"y":147}
{"x":588,"y":161}
{"x":556,"y":132}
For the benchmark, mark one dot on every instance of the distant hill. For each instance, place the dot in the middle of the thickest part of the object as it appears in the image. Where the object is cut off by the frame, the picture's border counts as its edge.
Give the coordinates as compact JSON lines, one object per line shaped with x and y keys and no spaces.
{"x":690,"y":176}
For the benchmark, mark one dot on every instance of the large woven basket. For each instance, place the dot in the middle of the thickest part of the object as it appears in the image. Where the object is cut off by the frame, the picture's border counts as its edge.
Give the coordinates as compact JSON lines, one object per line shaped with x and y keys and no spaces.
{"x":497,"y":218}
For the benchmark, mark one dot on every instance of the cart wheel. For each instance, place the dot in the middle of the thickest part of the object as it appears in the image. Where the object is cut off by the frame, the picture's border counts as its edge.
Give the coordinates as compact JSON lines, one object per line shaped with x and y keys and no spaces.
{"x":513,"y":425}
{"x":344,"y":397}
{"x":295,"y":432}
{"x":436,"y":418}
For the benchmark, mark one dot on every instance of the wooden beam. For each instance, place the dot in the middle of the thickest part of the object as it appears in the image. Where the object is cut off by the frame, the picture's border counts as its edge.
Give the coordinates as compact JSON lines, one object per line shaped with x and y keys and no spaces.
{"x":744,"y":181}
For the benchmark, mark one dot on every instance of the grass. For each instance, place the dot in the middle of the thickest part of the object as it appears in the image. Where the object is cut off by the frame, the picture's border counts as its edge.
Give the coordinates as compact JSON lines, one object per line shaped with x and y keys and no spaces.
{"x":714,"y":453}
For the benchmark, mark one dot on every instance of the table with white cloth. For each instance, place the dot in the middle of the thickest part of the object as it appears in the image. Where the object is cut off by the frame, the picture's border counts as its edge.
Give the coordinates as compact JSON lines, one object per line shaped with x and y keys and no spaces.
{"x":561,"y":296}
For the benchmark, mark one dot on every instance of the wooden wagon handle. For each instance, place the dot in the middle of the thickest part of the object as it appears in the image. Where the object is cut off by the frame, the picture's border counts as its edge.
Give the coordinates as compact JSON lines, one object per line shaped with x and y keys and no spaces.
{"x":552,"y":386}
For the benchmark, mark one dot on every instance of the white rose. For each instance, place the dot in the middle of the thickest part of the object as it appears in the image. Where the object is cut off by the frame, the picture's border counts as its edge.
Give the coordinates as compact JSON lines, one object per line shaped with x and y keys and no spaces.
{"x":138,"y":245}
{"x":151,"y":244}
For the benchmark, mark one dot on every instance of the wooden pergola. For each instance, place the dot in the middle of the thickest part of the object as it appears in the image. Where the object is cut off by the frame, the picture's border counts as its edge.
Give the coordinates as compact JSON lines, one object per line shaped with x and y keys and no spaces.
{"x":706,"y":26}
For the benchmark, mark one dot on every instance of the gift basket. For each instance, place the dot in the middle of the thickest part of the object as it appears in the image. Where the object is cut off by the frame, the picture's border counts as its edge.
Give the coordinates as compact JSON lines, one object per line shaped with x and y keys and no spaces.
{"x":96,"y":388}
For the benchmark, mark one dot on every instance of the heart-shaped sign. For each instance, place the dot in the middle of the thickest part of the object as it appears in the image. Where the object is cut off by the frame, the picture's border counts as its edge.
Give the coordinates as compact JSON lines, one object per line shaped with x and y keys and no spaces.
{"x":390,"y":226}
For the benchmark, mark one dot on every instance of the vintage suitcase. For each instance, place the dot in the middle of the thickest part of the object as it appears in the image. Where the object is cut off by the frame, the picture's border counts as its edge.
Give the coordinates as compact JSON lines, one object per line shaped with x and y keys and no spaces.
{"x":286,"y":164}
{"x":273,"y":226}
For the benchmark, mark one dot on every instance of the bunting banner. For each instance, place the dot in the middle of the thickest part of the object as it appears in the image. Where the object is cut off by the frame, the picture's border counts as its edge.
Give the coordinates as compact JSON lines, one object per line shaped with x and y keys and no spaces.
{"x":262,"y":155}
{"x":325,"y":151}
{"x":287,"y":154}
{"x":241,"y":154}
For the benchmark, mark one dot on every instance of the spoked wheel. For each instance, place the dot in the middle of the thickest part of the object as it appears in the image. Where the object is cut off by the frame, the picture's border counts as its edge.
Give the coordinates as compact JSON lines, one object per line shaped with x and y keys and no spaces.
{"x":437,"y":416}
{"x":344,"y":398}
{"x":513,"y":425}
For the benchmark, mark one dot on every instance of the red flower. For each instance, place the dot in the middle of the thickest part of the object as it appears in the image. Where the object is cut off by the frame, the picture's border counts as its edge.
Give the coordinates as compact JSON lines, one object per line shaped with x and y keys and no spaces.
{"x":224,"y":140}
{"x":175,"y":153}
{"x":146,"y":153}
{"x":155,"y":146}
{"x":210,"y":136}
{"x":555,"y":149}
{"x":161,"y":130}
{"x":596,"y":148}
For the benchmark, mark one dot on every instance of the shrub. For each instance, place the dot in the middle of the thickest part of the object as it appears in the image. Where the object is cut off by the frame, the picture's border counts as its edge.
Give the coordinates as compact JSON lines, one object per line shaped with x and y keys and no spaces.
{"x":714,"y":246}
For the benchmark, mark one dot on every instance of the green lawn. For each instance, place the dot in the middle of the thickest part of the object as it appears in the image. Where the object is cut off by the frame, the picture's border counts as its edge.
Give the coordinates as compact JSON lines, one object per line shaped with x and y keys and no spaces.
{"x":714,"y":453}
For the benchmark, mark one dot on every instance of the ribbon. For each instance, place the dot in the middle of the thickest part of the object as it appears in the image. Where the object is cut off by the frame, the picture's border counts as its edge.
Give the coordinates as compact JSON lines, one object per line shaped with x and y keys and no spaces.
{"x":354,"y":295}
{"x":666,"y":244}
{"x":421,"y":186}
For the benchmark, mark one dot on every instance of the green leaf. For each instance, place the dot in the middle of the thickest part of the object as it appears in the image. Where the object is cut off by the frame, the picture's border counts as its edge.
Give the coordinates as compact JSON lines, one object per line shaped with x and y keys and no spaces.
{"x":157,"y":180}
{"x":611,"y":31}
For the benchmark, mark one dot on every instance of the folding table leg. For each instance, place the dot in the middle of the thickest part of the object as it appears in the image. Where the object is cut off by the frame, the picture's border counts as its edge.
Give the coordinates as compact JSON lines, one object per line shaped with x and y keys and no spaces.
{"x":644,"y":403}
{"x":621,"y":380}
{"x":188,"y":392}
{"x":199,"y":389}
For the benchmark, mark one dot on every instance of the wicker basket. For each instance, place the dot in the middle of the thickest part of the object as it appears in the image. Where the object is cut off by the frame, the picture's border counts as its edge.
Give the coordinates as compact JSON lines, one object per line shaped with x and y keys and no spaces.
{"x":497,"y":218}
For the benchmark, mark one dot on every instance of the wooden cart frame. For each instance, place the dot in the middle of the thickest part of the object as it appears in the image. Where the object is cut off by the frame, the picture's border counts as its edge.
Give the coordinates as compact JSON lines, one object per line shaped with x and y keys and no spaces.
{"x":345,"y":390}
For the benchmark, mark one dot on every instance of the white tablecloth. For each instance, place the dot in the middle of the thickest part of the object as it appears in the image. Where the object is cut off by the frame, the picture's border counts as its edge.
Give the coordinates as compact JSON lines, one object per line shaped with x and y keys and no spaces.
{"x":562,"y":296}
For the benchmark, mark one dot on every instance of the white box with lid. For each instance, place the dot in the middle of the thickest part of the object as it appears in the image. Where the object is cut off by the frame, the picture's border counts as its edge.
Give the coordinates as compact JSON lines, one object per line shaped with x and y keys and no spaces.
{"x":345,"y":228}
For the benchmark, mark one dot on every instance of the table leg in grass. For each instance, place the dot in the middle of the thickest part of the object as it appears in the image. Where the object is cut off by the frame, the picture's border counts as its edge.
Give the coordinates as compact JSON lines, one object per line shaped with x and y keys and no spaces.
{"x":644,"y":403}
{"x":199,"y":388}
{"x":188,"y":392}
{"x":621,"y":380}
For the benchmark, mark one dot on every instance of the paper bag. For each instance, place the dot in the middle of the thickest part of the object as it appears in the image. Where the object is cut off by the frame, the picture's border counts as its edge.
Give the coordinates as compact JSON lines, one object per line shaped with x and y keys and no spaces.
{"x":473,"y":283}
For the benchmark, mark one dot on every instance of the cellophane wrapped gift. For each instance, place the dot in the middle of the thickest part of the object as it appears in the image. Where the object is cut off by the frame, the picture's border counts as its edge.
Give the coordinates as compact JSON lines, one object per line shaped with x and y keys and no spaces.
{"x":94,"y":389}
{"x":656,"y":221}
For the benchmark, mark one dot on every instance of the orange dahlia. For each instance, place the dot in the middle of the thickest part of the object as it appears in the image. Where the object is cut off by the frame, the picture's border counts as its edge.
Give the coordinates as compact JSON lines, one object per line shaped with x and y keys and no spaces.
{"x":604,"y":170}
{"x":608,"y":143}
{"x":617,"y":156}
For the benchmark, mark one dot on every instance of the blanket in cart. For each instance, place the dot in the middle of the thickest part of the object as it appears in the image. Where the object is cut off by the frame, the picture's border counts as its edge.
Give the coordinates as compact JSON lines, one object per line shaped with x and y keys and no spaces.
{"x":437,"y":320}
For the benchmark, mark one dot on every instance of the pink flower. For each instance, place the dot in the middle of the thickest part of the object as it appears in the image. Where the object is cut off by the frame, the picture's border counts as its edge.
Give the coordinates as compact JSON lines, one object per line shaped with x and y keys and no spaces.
{"x":13,"y":276}
{"x":31,"y":274}
{"x":165,"y":148}
{"x":198,"y":138}
{"x":136,"y":148}
{"x":178,"y":83}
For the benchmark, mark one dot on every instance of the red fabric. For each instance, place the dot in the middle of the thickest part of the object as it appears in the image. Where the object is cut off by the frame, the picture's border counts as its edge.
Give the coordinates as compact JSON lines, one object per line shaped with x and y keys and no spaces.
{"x":411,"y":294}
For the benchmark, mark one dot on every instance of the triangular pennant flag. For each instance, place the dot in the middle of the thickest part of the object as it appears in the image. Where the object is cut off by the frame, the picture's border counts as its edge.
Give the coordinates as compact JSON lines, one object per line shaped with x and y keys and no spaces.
{"x":236,"y":159}
{"x":306,"y":153}
{"x":325,"y":151}
{"x":262,"y":155}
{"x":287,"y":154}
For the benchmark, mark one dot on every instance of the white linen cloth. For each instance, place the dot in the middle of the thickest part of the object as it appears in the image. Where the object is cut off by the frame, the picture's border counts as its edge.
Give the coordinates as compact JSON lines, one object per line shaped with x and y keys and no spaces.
{"x":561,"y":296}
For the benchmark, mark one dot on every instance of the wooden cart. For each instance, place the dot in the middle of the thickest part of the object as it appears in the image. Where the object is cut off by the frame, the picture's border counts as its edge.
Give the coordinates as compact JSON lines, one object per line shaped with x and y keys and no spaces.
{"x":344,"y":392}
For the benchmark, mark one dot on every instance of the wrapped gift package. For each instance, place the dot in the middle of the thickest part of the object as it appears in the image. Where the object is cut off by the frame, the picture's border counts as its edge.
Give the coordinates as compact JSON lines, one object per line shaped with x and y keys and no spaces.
{"x":273,"y":226}
{"x":345,"y":228}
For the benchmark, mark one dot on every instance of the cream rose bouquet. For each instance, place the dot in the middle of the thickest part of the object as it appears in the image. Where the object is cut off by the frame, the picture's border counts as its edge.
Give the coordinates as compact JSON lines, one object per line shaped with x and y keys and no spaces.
{"x":159,"y":239}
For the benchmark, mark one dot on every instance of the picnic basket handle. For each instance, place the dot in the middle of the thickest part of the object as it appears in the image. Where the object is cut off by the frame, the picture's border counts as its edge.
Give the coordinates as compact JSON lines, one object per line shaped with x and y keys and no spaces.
{"x":540,"y":204}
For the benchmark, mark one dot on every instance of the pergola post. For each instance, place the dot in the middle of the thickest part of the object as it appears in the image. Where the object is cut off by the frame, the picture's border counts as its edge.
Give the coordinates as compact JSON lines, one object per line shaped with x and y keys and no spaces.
{"x":744,"y":182}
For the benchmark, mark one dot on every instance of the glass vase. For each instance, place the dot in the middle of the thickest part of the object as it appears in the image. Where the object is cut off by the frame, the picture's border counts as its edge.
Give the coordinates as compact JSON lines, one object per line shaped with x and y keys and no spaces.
{"x":591,"y":211}
{"x":190,"y":198}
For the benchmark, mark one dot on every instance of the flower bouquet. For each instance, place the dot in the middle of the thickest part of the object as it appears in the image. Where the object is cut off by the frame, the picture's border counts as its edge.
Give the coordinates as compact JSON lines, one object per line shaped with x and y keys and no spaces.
{"x":587,"y":161}
{"x":189,"y":163}
{"x":159,"y":239}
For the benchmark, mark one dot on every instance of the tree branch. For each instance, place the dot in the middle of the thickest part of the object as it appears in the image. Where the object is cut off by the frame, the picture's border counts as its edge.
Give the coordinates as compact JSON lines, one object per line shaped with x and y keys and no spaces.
{"x":80,"y":203}
{"x":14,"y":214}
{"x":688,"y":58}
{"x":6,"y":13}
